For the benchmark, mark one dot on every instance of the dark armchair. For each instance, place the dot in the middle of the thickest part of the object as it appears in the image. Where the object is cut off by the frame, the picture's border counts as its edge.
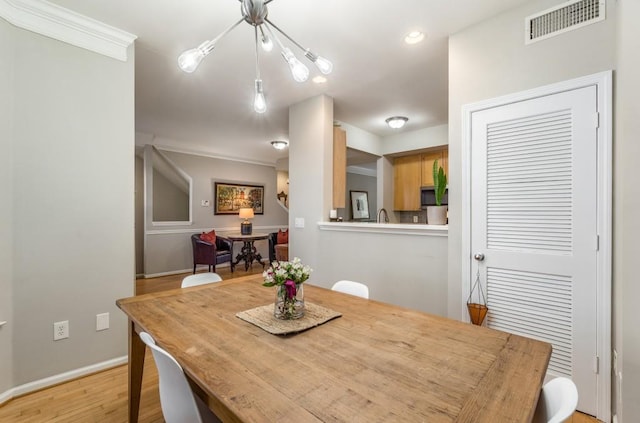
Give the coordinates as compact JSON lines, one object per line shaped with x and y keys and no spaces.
{"x":210,"y":254}
{"x":273,"y":241}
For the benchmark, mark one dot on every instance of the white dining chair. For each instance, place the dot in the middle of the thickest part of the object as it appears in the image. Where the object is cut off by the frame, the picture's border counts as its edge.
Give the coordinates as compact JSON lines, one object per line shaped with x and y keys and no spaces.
{"x":558,"y":401}
{"x":200,"y":279}
{"x":178,"y":402}
{"x":351,"y":288}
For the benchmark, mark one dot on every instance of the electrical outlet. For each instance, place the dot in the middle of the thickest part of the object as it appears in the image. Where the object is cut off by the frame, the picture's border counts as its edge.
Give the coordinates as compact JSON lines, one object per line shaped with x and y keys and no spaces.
{"x":205,"y":203}
{"x":415,"y":219}
{"x":102,"y":321}
{"x":60,"y":330}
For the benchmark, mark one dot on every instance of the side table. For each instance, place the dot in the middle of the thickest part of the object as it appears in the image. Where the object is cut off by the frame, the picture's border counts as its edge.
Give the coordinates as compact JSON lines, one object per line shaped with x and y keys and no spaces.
{"x":248,"y":253}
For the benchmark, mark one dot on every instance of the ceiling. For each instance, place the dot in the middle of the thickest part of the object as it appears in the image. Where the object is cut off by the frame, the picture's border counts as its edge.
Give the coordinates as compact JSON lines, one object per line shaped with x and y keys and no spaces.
{"x":376,"y":74}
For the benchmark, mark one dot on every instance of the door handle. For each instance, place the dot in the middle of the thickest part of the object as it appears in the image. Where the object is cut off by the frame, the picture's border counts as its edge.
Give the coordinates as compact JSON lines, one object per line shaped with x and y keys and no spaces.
{"x":478,"y":256}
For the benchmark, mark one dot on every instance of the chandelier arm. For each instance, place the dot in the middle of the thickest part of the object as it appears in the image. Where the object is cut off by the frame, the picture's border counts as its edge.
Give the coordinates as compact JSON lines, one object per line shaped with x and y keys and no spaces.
{"x":266,"y":2}
{"x":274,"y":35}
{"x":255,"y":31}
{"x":285,"y":34}
{"x":213,"y":42}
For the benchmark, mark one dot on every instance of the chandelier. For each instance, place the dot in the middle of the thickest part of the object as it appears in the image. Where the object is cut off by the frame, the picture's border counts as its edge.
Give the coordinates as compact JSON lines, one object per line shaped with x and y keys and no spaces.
{"x":254,"y":12}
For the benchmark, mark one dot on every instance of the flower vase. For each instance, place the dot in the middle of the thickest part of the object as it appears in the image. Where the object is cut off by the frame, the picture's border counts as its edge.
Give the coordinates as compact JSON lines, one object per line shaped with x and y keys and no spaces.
{"x":289,"y":303}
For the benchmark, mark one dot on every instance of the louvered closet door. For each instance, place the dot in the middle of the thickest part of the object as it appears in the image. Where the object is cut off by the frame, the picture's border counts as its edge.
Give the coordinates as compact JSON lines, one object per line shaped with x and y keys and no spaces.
{"x":534,"y":218}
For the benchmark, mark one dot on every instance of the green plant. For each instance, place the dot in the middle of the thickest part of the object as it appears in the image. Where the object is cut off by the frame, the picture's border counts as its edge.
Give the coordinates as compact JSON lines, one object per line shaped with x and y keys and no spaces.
{"x":439,"y":182}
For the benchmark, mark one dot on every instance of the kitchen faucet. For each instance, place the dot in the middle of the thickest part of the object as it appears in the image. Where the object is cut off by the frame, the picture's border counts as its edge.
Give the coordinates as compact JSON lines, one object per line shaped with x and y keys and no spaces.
{"x":386,"y":216}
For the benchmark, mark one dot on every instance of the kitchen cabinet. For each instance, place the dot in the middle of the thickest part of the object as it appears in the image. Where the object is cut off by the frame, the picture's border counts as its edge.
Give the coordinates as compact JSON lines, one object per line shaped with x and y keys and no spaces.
{"x":407,"y":177}
{"x":427,"y":159}
{"x":412,"y":172}
{"x":339,"y":168}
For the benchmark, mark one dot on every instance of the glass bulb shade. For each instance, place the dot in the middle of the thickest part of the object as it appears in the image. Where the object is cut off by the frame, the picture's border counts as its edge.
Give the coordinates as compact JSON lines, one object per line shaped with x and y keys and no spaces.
{"x":279,"y":144}
{"x":245,"y":213}
{"x":190,"y":59}
{"x":267,"y":44}
{"x":298,"y":70}
{"x":324,"y":65}
{"x":396,"y":122}
{"x":259,"y":102}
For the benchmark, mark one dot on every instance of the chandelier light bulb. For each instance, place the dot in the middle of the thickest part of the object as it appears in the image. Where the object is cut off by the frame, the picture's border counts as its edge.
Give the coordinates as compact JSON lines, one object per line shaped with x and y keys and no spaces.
{"x":324,"y":65}
{"x":190,"y":59}
{"x":299,"y":71}
{"x":259,"y":102}
{"x":266,"y":43}
{"x":254,"y":13}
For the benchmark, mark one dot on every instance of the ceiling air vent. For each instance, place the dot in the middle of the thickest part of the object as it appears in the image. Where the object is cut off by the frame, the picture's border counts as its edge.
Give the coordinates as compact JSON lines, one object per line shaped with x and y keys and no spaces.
{"x":566,"y":17}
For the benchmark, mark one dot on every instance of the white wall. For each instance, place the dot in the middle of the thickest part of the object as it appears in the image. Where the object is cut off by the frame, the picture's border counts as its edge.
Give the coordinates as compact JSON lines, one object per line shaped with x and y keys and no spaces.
{"x":434,"y":136}
{"x":362,"y":140}
{"x":7,"y":50}
{"x":489,"y":60}
{"x":72,"y":202}
{"x":406,"y":270}
{"x":627,"y":209}
{"x":139,"y":215}
{"x":310,"y":174}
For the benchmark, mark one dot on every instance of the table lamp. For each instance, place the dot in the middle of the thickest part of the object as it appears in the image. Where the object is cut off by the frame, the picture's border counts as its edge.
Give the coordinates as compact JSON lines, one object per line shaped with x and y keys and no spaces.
{"x":246,"y":214}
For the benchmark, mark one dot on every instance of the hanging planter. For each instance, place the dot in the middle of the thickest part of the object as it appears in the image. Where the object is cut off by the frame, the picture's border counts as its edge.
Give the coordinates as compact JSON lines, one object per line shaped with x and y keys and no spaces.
{"x":477,"y":303}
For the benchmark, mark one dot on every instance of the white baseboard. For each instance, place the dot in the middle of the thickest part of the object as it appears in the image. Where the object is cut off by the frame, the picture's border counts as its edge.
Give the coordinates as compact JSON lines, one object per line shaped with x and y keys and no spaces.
{"x":60,"y":378}
{"x":177,"y":272}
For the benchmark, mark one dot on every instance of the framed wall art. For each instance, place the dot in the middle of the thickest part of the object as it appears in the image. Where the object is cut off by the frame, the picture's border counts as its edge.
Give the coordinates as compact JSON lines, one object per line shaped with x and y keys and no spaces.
{"x":229,"y":198}
{"x":359,"y":205}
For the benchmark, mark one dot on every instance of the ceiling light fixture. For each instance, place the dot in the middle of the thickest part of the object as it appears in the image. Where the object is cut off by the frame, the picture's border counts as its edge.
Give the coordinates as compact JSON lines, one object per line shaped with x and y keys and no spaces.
{"x":414,"y":37}
{"x":279,"y":144}
{"x":255,"y":12}
{"x":319,"y":79}
{"x":396,"y":122}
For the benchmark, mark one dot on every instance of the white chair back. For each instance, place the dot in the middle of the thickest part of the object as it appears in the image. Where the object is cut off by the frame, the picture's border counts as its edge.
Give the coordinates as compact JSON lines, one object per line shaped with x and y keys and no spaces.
{"x":200,"y":279}
{"x":351,"y":288}
{"x":558,"y":401}
{"x":178,"y":402}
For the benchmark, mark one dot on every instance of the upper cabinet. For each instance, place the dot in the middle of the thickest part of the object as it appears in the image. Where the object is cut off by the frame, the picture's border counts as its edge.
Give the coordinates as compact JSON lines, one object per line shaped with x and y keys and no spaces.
{"x":442,"y":156}
{"x":412,"y":172}
{"x":339,"y":167}
{"x":407,"y":171}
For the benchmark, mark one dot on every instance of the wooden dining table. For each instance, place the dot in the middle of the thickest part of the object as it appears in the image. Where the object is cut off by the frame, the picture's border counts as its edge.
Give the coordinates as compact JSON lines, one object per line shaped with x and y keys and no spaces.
{"x":376,"y":363}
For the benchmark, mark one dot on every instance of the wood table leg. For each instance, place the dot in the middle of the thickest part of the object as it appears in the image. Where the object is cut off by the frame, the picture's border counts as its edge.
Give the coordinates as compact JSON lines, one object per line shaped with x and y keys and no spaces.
{"x":136,"y":366}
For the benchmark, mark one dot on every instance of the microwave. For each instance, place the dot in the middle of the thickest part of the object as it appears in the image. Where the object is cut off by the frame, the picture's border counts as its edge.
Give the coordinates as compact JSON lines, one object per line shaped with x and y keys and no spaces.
{"x":428,"y":197}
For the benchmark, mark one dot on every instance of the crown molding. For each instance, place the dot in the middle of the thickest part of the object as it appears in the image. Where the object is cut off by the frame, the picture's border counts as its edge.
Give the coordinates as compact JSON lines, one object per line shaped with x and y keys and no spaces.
{"x":65,"y":25}
{"x":362,"y":171}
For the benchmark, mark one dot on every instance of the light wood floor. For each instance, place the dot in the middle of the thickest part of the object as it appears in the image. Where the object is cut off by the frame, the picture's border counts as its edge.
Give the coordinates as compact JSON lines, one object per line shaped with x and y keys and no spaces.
{"x":102,"y":397}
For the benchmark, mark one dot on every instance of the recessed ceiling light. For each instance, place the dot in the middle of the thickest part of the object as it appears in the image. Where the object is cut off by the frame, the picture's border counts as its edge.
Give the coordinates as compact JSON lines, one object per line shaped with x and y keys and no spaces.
{"x":396,"y":122}
{"x":319,"y":79}
{"x":414,"y":37}
{"x":279,"y":144}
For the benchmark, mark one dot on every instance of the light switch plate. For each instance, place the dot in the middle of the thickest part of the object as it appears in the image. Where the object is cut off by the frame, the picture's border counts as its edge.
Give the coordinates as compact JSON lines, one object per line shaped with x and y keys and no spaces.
{"x":205,"y":203}
{"x":299,"y":222}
